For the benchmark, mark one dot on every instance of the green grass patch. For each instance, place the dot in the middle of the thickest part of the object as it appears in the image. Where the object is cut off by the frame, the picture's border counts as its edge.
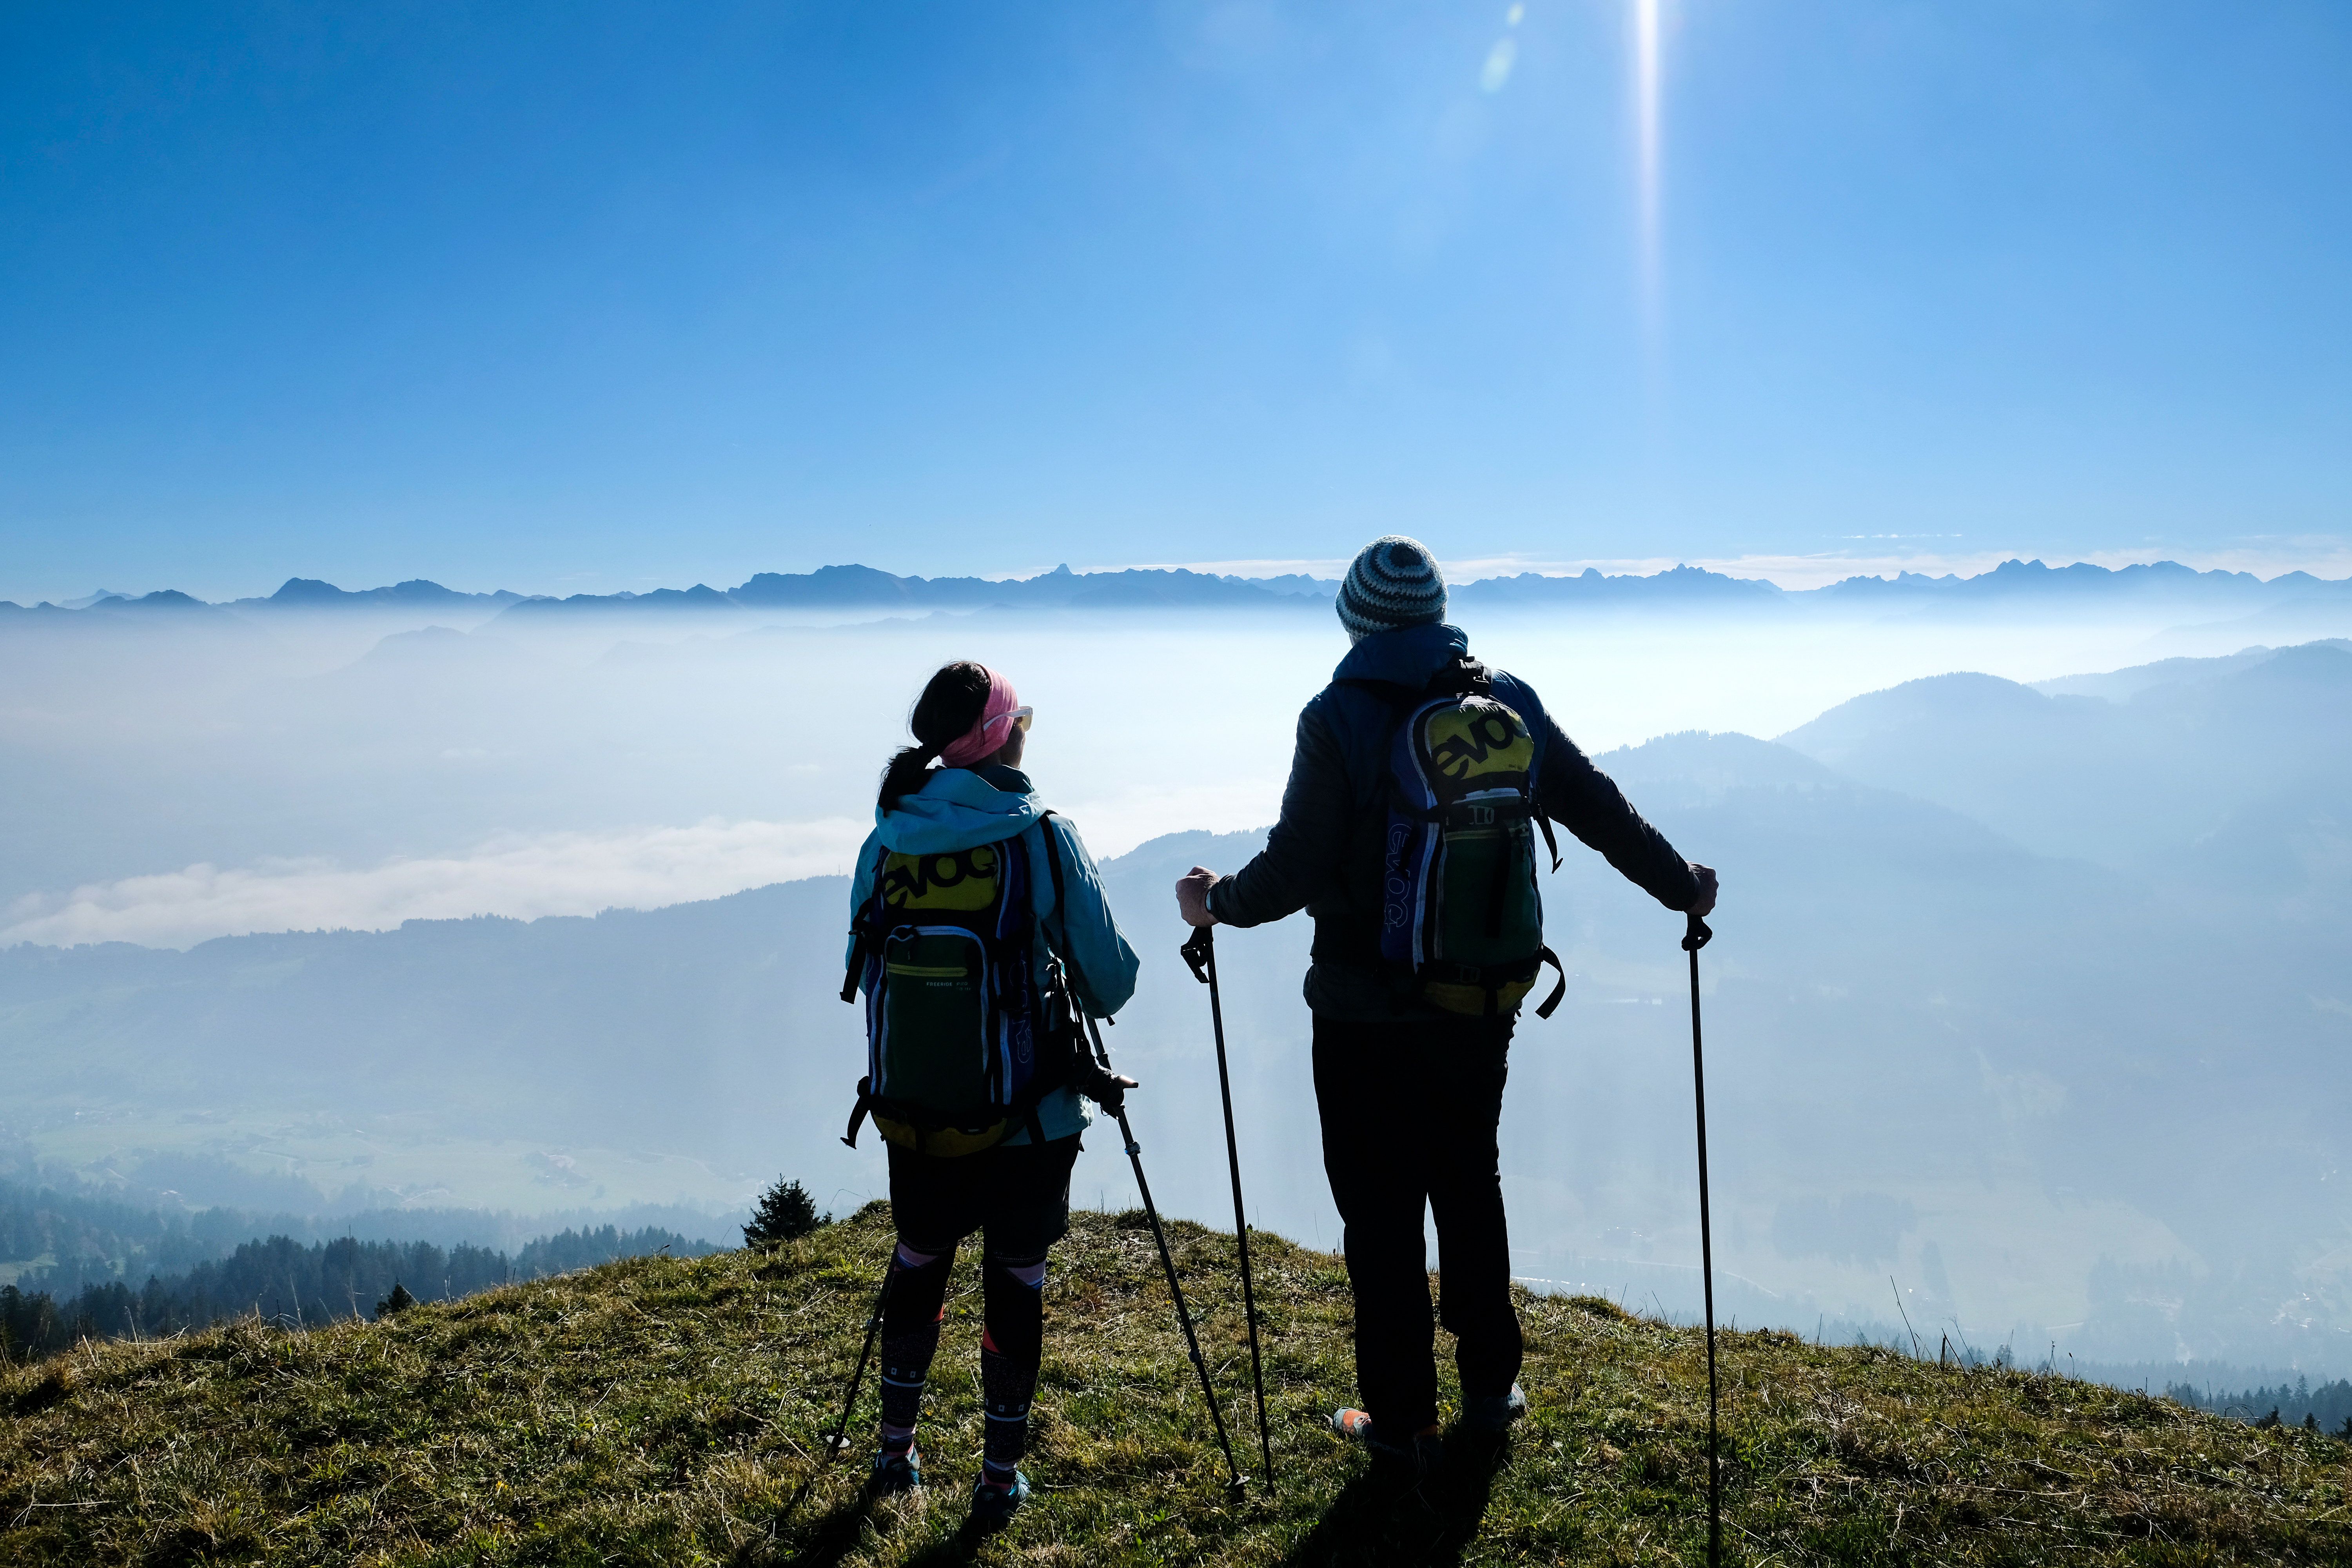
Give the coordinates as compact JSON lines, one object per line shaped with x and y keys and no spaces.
{"x":665,"y":1410}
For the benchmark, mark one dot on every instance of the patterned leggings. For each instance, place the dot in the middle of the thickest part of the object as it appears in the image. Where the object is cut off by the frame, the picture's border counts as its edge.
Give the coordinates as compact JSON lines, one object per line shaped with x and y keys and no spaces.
{"x":1011,"y":1346}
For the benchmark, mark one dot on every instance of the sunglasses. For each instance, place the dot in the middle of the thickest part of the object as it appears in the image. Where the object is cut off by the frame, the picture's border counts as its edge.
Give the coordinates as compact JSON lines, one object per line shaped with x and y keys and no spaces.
{"x":1021,"y":718}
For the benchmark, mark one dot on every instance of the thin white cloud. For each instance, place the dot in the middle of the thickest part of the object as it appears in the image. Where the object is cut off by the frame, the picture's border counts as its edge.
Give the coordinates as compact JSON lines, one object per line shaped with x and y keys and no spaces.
{"x":1498,"y":70}
{"x":522,"y":875}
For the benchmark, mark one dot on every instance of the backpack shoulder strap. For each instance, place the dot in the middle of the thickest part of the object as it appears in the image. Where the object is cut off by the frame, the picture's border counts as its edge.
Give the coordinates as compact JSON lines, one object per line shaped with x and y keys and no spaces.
{"x":1061,"y":895}
{"x":1053,"y":856}
{"x":861,"y":936}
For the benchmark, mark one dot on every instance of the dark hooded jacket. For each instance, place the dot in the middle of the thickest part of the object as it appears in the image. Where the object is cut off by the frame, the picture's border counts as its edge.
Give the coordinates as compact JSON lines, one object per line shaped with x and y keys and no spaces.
{"x":1324,"y":855}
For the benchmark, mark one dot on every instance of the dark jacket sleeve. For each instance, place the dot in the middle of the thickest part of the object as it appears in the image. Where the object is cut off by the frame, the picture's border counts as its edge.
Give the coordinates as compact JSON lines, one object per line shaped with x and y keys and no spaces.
{"x":1306,"y":855}
{"x":1588,"y":803}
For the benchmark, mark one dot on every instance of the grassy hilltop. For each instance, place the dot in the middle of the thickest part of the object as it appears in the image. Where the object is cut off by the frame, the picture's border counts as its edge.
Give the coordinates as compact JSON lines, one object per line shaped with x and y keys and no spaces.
{"x":663,"y":1411}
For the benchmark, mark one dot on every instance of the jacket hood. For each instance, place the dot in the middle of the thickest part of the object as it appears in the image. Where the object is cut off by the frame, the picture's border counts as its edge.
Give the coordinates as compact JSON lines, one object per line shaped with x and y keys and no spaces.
{"x":955,"y":809}
{"x":1408,"y":655}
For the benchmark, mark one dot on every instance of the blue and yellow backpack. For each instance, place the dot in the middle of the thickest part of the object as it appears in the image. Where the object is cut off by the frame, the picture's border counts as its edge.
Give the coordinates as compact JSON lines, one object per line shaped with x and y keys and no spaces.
{"x":961,"y":1041}
{"x":1461,"y":915}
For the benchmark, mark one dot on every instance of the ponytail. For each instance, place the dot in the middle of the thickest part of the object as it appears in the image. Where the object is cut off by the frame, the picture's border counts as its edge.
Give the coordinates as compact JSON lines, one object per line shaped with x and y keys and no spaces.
{"x":952,"y":703}
{"x":910,"y":765}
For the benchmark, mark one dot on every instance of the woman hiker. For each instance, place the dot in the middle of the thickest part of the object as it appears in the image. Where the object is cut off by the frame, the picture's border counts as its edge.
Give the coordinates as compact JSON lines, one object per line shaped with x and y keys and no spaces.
{"x":973,"y":907}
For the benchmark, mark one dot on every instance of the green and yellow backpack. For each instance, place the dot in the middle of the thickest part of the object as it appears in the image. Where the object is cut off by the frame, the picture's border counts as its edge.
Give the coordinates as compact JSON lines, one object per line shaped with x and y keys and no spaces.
{"x":962,"y":1043}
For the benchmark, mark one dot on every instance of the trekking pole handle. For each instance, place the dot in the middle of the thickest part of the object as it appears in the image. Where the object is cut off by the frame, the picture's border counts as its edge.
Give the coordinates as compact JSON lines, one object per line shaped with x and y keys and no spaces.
{"x":1200,"y":951}
{"x":1697,"y":935}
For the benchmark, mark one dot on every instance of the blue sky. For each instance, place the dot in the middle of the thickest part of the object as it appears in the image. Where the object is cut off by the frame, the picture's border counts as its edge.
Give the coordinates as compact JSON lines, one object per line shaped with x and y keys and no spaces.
{"x":594,"y":297}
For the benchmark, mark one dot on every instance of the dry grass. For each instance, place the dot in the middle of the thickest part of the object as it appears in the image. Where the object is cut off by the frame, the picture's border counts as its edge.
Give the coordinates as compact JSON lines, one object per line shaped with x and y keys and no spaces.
{"x":664,"y":1412}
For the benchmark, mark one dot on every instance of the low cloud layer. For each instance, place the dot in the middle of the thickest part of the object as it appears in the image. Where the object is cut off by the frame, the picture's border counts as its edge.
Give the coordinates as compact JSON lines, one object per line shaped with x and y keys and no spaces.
{"x":524,"y":875}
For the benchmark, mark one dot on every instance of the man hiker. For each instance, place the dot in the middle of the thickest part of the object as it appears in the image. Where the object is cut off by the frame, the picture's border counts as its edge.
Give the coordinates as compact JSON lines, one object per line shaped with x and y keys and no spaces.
{"x":1408,"y":832}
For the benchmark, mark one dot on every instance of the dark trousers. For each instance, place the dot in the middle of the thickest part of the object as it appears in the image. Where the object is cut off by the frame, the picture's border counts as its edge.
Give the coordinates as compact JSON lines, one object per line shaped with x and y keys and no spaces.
{"x":1409,"y":1112}
{"x":1017,"y":1196}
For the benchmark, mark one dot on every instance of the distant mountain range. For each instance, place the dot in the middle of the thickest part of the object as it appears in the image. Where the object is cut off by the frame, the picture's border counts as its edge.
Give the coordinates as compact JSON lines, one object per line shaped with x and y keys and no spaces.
{"x":2013,"y":587}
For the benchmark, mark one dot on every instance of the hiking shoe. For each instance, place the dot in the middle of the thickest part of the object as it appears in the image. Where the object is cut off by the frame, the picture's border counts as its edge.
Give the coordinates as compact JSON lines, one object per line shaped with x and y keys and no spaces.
{"x":1409,"y":1462}
{"x":992,"y":1507}
{"x":896,"y":1473}
{"x":1494,"y":1412}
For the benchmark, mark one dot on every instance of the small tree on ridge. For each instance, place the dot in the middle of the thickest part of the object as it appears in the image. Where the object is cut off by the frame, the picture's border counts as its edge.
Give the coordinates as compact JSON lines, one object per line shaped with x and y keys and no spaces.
{"x":785,"y":1211}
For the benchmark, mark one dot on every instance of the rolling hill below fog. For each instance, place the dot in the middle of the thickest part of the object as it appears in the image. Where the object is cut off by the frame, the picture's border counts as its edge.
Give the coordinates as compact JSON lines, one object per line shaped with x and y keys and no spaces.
{"x":2245,"y":755}
{"x":1997,"y":1028}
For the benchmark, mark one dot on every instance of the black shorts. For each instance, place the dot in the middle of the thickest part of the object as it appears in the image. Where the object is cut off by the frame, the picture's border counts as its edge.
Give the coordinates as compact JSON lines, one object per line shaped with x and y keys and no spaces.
{"x":1018,"y":1193}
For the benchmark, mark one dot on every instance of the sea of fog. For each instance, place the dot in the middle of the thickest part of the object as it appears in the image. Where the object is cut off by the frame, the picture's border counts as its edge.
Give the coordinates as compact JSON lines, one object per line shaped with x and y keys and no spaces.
{"x":355,"y":769}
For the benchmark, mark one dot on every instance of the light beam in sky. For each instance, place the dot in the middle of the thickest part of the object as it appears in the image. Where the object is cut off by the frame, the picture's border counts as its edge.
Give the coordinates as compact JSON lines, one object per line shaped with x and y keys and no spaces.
{"x":1645,"y":111}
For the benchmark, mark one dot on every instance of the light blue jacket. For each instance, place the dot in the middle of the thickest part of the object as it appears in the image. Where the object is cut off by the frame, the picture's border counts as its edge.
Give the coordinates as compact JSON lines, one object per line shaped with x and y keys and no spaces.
{"x":958,"y":808}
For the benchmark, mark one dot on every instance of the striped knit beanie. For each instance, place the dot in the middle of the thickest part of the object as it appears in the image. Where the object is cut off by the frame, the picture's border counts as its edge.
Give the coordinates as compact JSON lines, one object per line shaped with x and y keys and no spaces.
{"x":1394,"y":582}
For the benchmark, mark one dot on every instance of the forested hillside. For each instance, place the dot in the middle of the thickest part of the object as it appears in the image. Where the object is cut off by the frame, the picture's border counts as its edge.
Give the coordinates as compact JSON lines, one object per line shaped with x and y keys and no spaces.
{"x":282,"y":1281}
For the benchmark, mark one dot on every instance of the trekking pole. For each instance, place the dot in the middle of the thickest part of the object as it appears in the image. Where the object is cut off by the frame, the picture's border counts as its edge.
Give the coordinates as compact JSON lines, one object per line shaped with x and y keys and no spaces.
{"x":1697,"y":937}
{"x":1201,"y":952}
{"x":837,"y":1444}
{"x":1236,"y":1481}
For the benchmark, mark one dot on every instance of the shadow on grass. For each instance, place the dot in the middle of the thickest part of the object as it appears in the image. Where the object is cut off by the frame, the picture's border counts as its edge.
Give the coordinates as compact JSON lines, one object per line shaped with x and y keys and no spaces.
{"x":1369,"y":1523}
{"x":960,"y":1547}
{"x":836,"y":1535}
{"x":844,"y":1531}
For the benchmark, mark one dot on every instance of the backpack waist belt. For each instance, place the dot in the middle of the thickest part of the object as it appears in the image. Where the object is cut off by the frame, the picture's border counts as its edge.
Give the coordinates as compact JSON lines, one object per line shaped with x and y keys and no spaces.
{"x":1495,"y":979}
{"x":924,"y":1130}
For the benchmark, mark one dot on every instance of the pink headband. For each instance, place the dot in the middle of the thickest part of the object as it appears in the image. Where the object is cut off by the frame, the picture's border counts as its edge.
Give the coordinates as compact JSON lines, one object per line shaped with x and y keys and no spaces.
{"x":985,"y":738}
